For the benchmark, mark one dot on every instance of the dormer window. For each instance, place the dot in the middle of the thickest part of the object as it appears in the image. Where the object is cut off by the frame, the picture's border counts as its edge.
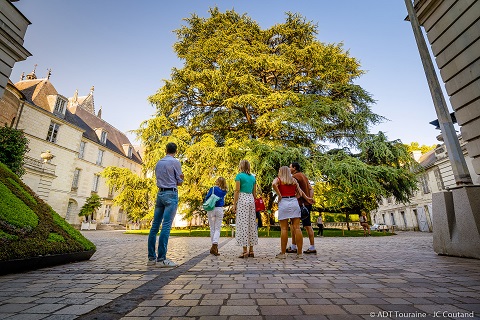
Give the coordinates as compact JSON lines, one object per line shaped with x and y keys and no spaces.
{"x":128,"y":149}
{"x":60,"y":106}
{"x":103,"y":137}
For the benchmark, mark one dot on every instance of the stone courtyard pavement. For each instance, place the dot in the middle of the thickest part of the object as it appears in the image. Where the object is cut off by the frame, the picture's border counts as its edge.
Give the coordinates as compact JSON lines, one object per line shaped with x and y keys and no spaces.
{"x":398,"y":277}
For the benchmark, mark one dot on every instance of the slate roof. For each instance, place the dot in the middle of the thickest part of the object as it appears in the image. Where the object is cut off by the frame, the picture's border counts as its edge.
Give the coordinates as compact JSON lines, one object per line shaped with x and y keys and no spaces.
{"x":428,"y":159}
{"x":36,"y":92}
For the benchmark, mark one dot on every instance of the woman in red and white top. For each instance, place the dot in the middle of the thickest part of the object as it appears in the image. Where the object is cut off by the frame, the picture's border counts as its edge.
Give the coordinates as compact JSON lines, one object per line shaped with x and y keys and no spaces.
{"x":286,"y":188}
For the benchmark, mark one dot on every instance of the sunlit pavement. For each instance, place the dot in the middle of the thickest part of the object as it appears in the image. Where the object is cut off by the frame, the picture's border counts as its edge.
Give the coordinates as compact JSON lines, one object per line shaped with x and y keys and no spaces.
{"x":397,"y":277}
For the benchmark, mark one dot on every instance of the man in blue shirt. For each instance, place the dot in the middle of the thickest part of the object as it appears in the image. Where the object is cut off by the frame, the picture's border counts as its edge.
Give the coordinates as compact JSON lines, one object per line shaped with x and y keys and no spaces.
{"x":168,"y":173}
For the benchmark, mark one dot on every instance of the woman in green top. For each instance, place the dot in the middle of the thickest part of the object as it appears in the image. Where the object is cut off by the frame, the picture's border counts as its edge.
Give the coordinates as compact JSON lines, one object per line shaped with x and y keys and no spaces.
{"x":244,"y":205}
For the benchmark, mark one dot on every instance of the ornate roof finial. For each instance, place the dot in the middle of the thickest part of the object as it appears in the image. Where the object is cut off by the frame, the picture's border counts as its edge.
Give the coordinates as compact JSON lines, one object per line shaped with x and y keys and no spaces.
{"x":32,"y":76}
{"x":34,"y":68}
{"x":99,"y":114}
{"x":22,"y":76}
{"x":49,"y":73}
{"x":92,"y":89}
{"x":75,"y":96}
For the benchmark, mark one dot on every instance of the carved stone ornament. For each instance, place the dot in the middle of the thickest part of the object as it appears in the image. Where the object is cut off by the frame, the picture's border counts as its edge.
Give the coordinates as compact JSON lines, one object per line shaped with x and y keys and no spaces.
{"x":46,"y":156}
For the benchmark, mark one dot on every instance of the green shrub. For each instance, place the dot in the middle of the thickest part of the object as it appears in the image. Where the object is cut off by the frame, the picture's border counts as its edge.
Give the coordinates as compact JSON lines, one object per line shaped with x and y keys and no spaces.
{"x":7,"y":236}
{"x":22,"y":190}
{"x":71,"y":231}
{"x":14,"y":211}
{"x":46,"y":233}
{"x":13,"y":147}
{"x":55,"y":237}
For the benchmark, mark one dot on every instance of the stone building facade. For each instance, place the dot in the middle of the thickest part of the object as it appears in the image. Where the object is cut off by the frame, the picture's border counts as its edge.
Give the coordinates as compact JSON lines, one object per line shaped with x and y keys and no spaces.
{"x":81,"y":142}
{"x":436,"y":177}
{"x":13,"y":26}
{"x":453,"y":31}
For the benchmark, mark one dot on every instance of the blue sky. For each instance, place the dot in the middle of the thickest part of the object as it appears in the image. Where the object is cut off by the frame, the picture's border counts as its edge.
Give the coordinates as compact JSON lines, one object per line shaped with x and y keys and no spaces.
{"x":124,"y":49}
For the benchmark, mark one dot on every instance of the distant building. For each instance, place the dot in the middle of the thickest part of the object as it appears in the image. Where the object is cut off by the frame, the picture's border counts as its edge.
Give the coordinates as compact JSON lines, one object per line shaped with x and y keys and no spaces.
{"x":80,"y":145}
{"x":438,"y":176}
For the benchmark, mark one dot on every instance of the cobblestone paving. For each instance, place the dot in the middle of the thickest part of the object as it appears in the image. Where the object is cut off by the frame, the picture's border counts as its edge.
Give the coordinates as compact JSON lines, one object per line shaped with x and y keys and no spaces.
{"x":398,"y":277}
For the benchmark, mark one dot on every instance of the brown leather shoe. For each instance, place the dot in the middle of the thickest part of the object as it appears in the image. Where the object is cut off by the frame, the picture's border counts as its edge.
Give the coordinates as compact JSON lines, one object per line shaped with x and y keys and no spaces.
{"x":215,"y":249}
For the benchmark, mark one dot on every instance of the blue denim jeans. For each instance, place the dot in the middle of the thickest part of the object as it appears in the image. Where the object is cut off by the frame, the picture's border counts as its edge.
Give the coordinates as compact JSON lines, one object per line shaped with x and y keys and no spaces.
{"x":165,"y":210}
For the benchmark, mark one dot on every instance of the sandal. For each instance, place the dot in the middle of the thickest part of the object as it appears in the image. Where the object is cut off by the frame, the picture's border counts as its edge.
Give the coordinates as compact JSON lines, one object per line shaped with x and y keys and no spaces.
{"x":251,"y":255}
{"x":309,"y":251}
{"x":290,"y":250}
{"x":244,"y":255}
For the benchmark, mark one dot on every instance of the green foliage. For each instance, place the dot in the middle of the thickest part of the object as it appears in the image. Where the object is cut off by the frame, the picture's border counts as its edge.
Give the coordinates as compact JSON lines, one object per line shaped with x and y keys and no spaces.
{"x":15,"y":211}
{"x":22,"y":190}
{"x":55,"y":237}
{"x":13,"y":147}
{"x":90,"y":206}
{"x":355,"y":183}
{"x":5,"y":236}
{"x":415,"y":146}
{"x":136,"y":195}
{"x":271,"y":96}
{"x":71,"y":231}
{"x":27,"y":235}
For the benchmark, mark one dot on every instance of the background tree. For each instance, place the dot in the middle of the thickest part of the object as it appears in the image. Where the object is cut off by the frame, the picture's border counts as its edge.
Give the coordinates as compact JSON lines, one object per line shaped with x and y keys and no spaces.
{"x":135,"y":195}
{"x":415,"y":146}
{"x":354,"y":183}
{"x":13,"y":147}
{"x":270,"y":96}
{"x":91,"y":205}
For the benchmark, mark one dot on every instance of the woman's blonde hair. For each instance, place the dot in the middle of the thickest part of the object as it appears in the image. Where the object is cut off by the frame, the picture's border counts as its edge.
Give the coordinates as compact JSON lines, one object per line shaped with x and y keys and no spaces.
{"x":221,"y":183}
{"x":285,"y":175}
{"x":244,"y":166}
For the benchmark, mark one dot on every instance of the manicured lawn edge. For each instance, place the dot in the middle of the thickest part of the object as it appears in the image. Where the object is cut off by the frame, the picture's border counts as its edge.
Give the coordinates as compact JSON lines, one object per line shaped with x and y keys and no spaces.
{"x":33,"y":263}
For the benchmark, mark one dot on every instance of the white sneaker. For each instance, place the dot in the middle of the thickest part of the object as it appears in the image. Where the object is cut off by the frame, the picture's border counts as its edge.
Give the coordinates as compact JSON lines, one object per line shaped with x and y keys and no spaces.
{"x":151,"y":262}
{"x":281,"y":256}
{"x":167,"y":263}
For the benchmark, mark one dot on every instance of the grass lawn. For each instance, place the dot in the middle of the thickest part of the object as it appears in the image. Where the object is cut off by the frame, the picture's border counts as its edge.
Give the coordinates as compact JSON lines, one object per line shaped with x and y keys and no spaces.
{"x":262,"y":233}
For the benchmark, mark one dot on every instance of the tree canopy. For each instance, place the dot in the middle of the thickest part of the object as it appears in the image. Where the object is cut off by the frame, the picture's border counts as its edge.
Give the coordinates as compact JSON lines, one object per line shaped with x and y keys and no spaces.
{"x":90,"y":206}
{"x":13,"y":147}
{"x":271,"y":96}
{"x":415,"y":146}
{"x":135,"y":195}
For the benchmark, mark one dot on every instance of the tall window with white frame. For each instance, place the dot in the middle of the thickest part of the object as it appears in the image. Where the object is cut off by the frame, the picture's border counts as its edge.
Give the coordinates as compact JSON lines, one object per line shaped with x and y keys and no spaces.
{"x":111,"y":189}
{"x":76,"y":177}
{"x":96,"y":180}
{"x":53,"y":132}
{"x":103,"y":137}
{"x":81,"y":151}
{"x":438,"y":178}
{"x":402,"y":213}
{"x":100,"y":157}
{"x":59,"y":106}
{"x":108,"y":209}
{"x":424,"y":182}
{"x":392,"y":218}
{"x":130,"y":152}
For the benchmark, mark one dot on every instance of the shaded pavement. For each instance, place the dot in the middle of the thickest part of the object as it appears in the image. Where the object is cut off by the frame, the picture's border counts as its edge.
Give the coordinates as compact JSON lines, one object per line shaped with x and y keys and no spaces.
{"x":397,"y":277}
